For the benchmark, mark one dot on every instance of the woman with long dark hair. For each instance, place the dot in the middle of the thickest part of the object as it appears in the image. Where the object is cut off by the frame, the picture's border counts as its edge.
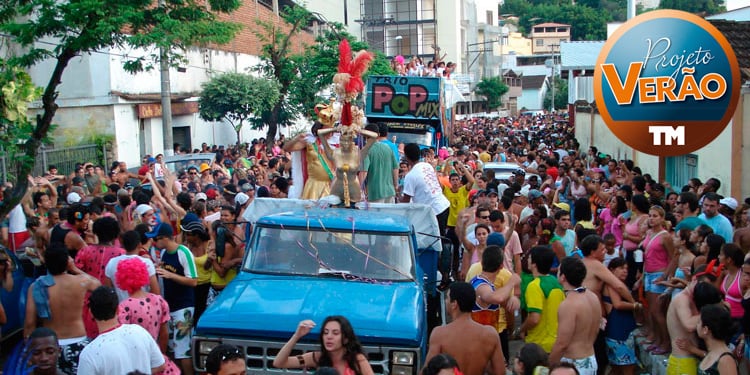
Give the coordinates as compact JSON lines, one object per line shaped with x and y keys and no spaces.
{"x":339,"y":348}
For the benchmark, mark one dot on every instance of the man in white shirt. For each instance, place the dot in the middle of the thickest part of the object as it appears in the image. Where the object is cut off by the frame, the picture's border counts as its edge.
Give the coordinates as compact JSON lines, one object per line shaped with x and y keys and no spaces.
{"x":119,"y":348}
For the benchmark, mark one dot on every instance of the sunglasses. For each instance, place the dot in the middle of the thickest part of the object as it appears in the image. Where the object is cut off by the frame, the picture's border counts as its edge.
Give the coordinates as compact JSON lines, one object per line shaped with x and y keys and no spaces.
{"x":485,"y":217}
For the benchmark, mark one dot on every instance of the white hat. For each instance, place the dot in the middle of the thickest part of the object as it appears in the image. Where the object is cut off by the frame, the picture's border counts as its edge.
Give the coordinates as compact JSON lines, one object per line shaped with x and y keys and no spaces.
{"x":73,"y":197}
{"x":525,"y":213}
{"x":142,"y":209}
{"x":201,"y":196}
{"x":241,"y":198}
{"x":729,"y":202}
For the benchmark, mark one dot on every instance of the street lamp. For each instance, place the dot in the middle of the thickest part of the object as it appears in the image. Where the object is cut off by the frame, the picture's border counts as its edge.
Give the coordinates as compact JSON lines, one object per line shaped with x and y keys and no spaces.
{"x":398,"y":42}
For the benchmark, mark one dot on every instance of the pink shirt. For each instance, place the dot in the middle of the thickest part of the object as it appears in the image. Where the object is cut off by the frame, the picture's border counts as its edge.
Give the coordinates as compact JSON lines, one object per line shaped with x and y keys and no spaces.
{"x":656,"y":258}
{"x":93,"y":259}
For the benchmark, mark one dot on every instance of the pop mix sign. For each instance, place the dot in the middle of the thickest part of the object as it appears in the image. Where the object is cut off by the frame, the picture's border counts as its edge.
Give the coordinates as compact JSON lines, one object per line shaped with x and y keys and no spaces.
{"x":667,"y":83}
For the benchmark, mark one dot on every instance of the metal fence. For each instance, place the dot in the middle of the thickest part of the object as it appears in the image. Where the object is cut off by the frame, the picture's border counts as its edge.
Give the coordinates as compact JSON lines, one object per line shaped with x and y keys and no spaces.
{"x":64,"y":159}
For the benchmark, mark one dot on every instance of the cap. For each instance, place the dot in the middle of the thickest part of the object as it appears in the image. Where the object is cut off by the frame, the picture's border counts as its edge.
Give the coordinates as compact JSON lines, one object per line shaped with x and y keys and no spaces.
{"x":562,"y":206}
{"x":534,"y":194}
{"x":472,"y":194}
{"x":729,"y":202}
{"x":228,"y":161}
{"x":204,"y":167}
{"x":212,"y":193}
{"x":542,"y":146}
{"x":193,"y":226}
{"x":525,"y":214}
{"x":241,"y":198}
{"x":246,"y":187}
{"x":491,"y":191}
{"x":73,"y":197}
{"x":496,"y":239}
{"x":161,"y":230}
{"x":142,"y":209}
{"x":189,"y":217}
{"x":201,"y":197}
{"x":192,"y":166}
{"x":151,"y":160}
{"x":519,"y":172}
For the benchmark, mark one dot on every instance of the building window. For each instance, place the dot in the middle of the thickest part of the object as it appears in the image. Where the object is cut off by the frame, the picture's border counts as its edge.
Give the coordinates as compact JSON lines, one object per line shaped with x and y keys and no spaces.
{"x":490,"y":17}
{"x":540,"y":42}
{"x":266,"y":3}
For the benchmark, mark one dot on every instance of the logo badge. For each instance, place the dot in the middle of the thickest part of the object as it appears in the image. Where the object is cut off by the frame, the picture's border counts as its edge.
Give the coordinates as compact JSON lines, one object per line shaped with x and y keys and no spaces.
{"x":667,"y":83}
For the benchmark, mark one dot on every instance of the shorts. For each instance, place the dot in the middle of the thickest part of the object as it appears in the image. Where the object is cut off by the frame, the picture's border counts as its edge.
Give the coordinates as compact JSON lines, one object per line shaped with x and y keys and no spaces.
{"x":621,"y":353}
{"x":649,"y":282}
{"x":16,"y":239}
{"x":70,"y":351}
{"x":679,"y":365}
{"x":585,"y":366}
{"x":181,"y":332}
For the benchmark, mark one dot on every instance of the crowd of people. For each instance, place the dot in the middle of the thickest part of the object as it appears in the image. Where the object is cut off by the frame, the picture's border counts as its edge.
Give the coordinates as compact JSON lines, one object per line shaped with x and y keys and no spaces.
{"x":576,"y":253}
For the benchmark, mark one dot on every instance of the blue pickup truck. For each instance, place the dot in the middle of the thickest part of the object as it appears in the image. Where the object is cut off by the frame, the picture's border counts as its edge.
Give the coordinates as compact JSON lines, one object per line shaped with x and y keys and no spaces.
{"x":377,"y":266}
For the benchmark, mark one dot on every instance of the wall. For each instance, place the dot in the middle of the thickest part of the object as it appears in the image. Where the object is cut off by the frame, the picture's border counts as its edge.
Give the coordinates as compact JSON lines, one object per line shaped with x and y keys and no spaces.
{"x":531,"y":98}
{"x":449,"y":31}
{"x":714,"y":160}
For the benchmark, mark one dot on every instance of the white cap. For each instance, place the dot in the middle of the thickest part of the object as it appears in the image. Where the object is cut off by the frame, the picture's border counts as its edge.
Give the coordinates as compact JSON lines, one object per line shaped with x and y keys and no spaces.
{"x":201,"y":196}
{"x":241,"y":198}
{"x":73,"y":197}
{"x":142,"y":209}
{"x":729,"y":202}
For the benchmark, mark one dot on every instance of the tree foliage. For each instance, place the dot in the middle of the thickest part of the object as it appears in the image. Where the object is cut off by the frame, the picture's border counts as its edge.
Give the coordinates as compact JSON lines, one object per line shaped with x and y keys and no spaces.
{"x":701,"y":7}
{"x":561,"y":94}
{"x":237,"y":97}
{"x":77,"y":27}
{"x":493,"y":89}
{"x":587,"y":22}
{"x":302,"y":77}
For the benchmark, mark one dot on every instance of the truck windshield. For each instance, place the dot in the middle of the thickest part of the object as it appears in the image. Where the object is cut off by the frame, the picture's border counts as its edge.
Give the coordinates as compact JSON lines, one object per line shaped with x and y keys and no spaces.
{"x":351,"y":255}
{"x":424,"y":139}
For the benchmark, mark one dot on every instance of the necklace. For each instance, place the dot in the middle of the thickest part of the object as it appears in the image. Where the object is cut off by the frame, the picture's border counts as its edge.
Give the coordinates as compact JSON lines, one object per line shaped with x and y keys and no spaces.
{"x":580,"y":289}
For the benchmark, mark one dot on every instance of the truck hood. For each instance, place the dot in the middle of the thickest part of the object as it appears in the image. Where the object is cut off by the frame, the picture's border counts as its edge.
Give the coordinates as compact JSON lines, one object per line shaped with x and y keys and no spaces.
{"x":263,"y":306}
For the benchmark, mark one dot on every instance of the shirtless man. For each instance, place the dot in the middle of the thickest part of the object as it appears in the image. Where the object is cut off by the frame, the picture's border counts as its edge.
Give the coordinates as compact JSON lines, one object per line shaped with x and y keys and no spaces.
{"x":473,"y":356}
{"x":121,"y":176}
{"x":597,"y":275}
{"x":56,"y":300}
{"x":69,"y":233}
{"x":579,"y":317}
{"x":682,"y":318}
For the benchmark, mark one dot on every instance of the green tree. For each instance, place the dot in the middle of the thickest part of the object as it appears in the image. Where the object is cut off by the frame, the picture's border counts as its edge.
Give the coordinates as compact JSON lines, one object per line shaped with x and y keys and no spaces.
{"x":587,"y":23}
{"x":301,"y":76}
{"x":320,"y":64}
{"x":701,"y":7}
{"x":237,"y":97}
{"x":561,"y":94}
{"x":492,"y":88}
{"x":82,"y":27}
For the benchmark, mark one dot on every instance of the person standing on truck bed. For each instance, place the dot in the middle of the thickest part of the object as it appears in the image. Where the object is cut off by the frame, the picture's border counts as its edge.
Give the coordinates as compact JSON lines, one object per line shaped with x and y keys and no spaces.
{"x":380,"y":168}
{"x":339,"y":348}
{"x":474,"y":355}
{"x":421,"y":185}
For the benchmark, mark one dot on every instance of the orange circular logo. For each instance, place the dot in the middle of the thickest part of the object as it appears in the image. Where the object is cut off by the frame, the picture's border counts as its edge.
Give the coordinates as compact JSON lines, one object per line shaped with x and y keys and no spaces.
{"x":667,"y":83}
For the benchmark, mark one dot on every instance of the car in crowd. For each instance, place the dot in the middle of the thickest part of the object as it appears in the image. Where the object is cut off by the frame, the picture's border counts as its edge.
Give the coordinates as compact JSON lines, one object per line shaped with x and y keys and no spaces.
{"x":504,"y":170}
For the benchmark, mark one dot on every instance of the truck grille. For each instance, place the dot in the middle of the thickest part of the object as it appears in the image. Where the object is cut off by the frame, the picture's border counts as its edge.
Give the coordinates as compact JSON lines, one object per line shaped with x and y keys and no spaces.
{"x":259,"y":355}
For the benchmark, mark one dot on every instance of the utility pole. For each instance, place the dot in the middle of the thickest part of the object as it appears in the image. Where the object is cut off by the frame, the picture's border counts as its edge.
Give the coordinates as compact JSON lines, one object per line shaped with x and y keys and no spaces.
{"x":166,"y":99}
{"x":470,"y":63}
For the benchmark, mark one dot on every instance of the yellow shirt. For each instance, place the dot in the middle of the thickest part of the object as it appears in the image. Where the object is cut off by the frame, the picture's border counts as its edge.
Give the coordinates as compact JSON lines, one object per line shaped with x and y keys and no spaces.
{"x":502,"y":278}
{"x":544,"y":295}
{"x":459,"y":200}
{"x":204,"y":275}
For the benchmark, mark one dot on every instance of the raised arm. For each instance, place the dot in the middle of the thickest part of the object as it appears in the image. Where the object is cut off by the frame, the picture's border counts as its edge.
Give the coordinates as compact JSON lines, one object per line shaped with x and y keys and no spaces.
{"x":283,"y":360}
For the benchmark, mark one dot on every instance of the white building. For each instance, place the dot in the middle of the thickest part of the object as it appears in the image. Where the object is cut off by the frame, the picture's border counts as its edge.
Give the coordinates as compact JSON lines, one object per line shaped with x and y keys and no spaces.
{"x":98,"y":97}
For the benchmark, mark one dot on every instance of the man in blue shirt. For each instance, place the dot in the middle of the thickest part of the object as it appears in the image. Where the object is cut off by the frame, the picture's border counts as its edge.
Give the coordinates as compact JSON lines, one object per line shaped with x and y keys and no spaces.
{"x":717,"y":222}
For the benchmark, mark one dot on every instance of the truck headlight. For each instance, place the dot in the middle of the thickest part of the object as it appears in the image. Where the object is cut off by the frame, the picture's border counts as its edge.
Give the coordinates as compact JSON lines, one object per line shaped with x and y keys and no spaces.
{"x":205,"y":347}
{"x":402,"y":358}
{"x":402,"y":363}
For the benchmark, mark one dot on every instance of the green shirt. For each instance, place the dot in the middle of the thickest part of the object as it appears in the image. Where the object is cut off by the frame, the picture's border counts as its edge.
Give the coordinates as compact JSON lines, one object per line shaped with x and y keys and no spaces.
{"x":379,"y":164}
